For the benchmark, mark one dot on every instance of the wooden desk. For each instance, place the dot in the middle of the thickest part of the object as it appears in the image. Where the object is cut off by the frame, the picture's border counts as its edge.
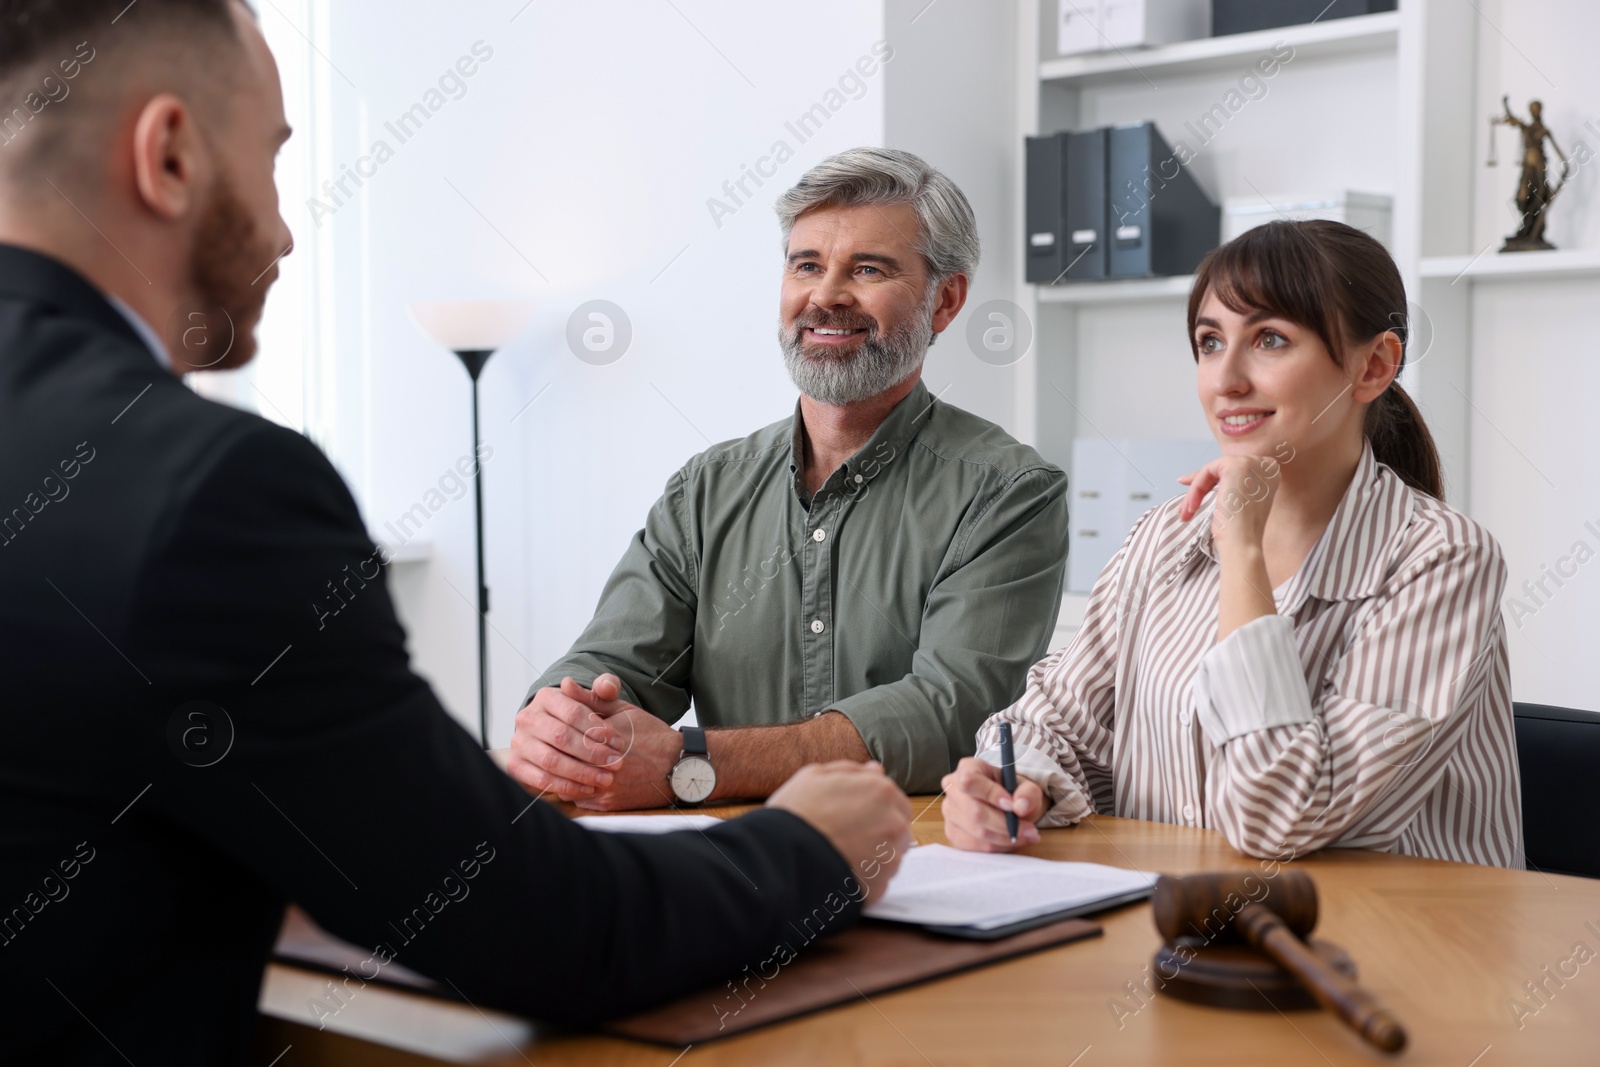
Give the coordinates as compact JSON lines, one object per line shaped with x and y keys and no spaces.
{"x":1449,"y":946}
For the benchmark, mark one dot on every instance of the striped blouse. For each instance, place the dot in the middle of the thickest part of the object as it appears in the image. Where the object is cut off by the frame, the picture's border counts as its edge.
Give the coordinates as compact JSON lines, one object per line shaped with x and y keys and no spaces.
{"x":1373,"y":711}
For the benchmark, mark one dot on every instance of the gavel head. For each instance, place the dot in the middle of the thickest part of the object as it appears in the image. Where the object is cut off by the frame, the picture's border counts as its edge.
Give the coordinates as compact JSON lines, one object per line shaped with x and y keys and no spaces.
{"x":1204,"y":906}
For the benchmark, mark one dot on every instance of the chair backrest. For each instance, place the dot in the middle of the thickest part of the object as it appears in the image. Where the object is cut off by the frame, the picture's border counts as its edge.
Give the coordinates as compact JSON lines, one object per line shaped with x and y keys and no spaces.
{"x":1558,"y":751}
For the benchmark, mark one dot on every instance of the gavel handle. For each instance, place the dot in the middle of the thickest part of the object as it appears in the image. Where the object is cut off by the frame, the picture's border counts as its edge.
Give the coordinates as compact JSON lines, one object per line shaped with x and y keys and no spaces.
{"x":1360,"y":1010}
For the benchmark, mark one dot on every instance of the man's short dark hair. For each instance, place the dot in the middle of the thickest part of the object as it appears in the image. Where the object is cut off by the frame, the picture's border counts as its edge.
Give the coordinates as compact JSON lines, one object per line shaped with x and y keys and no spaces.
{"x":51,"y":50}
{"x":33,"y":32}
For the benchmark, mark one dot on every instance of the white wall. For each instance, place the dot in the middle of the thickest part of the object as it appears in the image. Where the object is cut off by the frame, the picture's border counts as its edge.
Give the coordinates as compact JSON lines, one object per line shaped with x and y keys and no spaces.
{"x":950,"y":97}
{"x":582,"y":157}
{"x":1535,"y":358}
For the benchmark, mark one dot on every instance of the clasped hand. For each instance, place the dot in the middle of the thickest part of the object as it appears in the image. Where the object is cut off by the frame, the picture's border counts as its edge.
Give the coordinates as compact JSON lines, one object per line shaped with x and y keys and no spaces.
{"x":593,"y":748}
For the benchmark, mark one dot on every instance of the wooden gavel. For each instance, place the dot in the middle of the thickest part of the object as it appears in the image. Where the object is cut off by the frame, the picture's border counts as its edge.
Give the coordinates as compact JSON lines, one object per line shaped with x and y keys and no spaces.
{"x":1226,"y":906}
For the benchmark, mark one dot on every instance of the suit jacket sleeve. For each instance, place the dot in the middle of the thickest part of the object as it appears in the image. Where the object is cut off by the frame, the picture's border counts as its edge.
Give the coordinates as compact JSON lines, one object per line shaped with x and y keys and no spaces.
{"x":334,"y":776}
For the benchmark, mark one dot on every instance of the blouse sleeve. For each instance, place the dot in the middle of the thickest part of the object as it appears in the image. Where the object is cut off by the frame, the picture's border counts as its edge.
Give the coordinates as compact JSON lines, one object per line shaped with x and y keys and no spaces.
{"x":1356,"y":754}
{"x":1062,"y":724}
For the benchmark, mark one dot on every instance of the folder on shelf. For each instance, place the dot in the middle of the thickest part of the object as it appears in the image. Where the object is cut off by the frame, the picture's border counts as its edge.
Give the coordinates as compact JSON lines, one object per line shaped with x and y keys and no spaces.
{"x":1044,"y":163}
{"x":1066,"y":206}
{"x":1086,"y":175}
{"x":1244,"y":16}
{"x":1160,"y":222}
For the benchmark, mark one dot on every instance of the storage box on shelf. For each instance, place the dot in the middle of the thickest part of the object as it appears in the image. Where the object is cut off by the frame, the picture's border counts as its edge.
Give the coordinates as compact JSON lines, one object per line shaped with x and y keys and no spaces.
{"x":1098,"y":25}
{"x":1114,"y":481}
{"x":1370,"y":212}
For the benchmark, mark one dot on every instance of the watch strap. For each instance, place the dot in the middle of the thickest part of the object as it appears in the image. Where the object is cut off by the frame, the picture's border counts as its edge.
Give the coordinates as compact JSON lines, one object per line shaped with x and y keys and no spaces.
{"x":694,"y":741}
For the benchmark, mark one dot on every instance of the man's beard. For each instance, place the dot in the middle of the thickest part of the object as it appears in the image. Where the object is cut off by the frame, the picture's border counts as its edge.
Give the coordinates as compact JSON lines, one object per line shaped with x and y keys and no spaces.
{"x":230,"y":277}
{"x":876,"y":363}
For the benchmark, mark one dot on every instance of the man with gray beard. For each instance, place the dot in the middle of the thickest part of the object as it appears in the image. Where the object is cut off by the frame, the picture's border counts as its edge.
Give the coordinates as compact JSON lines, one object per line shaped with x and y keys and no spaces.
{"x":865,"y":580}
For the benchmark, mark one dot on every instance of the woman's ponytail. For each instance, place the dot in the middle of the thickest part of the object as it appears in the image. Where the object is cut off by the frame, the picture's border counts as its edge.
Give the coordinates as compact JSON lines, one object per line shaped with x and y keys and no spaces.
{"x":1401,"y":441}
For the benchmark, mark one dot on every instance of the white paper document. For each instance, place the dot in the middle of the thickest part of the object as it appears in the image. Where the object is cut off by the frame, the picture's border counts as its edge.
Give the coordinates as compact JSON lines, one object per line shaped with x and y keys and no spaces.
{"x":941,"y":886}
{"x":646,"y":824}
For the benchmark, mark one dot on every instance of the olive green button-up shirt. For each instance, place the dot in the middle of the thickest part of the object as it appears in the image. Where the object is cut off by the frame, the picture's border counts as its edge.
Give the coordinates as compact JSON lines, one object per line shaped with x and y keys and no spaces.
{"x":911,"y":593}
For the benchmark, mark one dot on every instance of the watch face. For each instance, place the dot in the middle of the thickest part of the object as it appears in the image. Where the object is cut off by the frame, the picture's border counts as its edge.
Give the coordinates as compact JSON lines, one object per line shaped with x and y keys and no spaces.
{"x":693,"y":779}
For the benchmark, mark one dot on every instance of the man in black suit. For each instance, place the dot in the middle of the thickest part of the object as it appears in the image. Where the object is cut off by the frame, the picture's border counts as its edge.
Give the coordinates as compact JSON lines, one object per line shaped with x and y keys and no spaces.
{"x":188,"y":743}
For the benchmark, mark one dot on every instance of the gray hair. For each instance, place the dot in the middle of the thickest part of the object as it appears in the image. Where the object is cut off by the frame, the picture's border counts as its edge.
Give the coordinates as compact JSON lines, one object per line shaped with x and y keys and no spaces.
{"x":948,"y":242}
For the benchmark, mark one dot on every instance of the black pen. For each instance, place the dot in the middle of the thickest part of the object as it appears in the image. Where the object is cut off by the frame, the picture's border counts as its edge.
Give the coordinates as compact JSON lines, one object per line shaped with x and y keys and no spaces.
{"x":1008,"y":775}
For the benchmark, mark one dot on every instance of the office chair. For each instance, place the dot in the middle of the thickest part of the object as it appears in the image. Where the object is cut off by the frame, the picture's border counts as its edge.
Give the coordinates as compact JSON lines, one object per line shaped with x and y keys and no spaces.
{"x":1558,"y":751}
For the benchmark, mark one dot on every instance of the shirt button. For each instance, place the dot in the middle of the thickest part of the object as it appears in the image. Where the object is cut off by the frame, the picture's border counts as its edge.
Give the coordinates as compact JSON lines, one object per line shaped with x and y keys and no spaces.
{"x":819,"y":534}
{"x":1185,"y":717}
{"x":817,"y":626}
{"x":1188,"y":812}
{"x":860,"y":479}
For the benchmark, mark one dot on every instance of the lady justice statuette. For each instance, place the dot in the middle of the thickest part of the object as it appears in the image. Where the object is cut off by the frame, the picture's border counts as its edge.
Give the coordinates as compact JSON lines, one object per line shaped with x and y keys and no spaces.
{"x":1534,"y":191}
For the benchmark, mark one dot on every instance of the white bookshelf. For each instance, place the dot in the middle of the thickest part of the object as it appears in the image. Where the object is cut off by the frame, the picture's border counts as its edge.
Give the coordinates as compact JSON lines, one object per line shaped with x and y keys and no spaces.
{"x":1346,"y":36}
{"x":1377,"y":103}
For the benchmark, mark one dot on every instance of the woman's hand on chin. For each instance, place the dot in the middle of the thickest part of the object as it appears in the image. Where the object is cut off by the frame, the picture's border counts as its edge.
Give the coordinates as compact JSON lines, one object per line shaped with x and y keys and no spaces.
{"x":1245,"y":487}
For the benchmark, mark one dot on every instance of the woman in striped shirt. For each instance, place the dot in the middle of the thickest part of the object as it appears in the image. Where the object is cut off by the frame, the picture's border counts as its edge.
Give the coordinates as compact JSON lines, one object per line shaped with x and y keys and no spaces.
{"x":1305,"y":649}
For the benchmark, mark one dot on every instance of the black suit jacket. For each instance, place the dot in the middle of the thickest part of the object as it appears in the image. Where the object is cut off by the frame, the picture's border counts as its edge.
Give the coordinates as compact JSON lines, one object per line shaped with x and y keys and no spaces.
{"x":191,"y":740}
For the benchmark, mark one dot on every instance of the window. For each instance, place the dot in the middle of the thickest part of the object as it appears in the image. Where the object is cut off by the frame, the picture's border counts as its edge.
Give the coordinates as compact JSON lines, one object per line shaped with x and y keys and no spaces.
{"x":295,"y":378}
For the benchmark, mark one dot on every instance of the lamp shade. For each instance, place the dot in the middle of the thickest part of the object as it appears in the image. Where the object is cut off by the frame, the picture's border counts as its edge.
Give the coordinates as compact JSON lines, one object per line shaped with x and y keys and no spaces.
{"x":462,"y":325}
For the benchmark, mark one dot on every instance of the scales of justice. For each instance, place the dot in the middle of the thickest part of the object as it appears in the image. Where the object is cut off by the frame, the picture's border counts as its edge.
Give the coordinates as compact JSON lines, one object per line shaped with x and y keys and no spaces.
{"x":1534,"y":191}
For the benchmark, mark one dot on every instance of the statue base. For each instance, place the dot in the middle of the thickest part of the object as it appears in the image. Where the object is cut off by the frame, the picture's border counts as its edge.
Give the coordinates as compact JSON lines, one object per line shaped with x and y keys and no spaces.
{"x":1527,"y":244}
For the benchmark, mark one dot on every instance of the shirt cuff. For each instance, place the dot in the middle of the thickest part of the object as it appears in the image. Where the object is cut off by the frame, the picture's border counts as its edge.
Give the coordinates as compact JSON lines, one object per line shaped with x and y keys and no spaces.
{"x":1252,"y":680}
{"x":901,"y":734}
{"x":1067,"y":803}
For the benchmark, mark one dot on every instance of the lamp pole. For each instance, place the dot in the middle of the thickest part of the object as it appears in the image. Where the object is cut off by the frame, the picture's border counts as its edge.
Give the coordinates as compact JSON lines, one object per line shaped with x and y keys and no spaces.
{"x":474,"y":330}
{"x":474,"y":359}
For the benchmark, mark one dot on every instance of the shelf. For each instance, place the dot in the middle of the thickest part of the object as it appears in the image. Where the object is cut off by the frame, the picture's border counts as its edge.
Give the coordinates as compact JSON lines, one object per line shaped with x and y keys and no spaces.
{"x":415,"y":550}
{"x":1358,"y":33}
{"x":1511,"y":266}
{"x":1131,"y":291}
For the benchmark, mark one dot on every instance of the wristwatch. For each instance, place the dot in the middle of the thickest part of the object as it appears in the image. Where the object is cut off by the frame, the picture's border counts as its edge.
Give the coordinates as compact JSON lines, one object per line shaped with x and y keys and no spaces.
{"x":692,"y":777}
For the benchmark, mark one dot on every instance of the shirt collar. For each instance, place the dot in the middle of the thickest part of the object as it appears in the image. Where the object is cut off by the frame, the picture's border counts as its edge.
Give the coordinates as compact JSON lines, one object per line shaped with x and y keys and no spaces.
{"x":1350,"y":559}
{"x":149,"y":336}
{"x":890,"y":439}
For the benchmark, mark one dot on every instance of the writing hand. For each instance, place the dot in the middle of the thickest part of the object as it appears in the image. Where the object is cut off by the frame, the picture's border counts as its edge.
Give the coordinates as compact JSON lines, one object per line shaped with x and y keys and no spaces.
{"x":975,"y":806}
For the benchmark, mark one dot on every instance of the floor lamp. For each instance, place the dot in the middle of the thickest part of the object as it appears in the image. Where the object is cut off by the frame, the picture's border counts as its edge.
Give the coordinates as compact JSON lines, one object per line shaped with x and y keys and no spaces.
{"x":474,"y":330}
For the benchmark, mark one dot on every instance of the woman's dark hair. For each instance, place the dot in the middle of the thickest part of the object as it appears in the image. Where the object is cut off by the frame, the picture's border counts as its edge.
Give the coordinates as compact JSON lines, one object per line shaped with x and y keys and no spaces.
{"x":1340,"y":284}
